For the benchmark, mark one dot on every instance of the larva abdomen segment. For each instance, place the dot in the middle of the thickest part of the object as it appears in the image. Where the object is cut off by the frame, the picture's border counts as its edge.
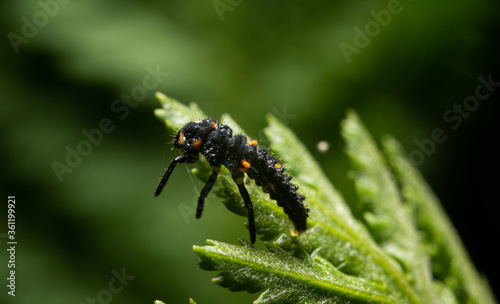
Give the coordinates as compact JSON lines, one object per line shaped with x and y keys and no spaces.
{"x":263,"y":167}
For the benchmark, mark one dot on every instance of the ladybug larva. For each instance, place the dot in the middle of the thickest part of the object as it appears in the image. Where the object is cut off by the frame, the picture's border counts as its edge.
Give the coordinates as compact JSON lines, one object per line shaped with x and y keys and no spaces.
{"x":216,"y":142}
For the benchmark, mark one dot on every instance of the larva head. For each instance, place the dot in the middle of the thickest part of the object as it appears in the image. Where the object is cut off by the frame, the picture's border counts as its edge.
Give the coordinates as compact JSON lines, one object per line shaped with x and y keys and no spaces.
{"x":192,"y":136}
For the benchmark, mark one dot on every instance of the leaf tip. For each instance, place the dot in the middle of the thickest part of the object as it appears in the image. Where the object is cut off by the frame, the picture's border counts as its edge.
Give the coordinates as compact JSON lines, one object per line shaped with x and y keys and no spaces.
{"x":160,"y":114}
{"x":160,"y":96}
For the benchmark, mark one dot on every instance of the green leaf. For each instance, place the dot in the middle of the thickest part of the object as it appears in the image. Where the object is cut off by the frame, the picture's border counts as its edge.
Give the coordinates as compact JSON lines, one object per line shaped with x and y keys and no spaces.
{"x":452,"y":268}
{"x":387,"y":219}
{"x":381,"y":258}
{"x":285,"y":278}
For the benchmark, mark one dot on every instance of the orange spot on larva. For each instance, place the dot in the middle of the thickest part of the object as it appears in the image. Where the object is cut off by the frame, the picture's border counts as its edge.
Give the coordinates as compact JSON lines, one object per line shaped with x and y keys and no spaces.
{"x":197,"y":143}
{"x":277,"y":166}
{"x":253,"y":142}
{"x":213,"y":124}
{"x":245,"y":163}
{"x":182,"y":138}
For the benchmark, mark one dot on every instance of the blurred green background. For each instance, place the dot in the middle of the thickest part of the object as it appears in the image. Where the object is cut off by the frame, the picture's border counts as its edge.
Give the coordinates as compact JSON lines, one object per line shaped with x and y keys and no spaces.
{"x":64,"y":63}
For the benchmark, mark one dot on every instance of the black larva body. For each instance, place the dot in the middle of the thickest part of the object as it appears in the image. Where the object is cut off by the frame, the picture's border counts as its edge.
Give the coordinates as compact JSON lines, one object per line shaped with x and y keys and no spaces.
{"x":216,"y":142}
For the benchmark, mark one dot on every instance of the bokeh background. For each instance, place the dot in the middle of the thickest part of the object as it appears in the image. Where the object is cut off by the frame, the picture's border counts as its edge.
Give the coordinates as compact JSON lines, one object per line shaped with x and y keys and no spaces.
{"x":62,"y":74}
